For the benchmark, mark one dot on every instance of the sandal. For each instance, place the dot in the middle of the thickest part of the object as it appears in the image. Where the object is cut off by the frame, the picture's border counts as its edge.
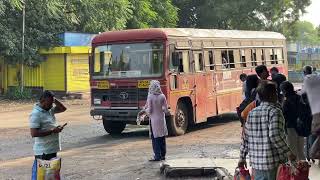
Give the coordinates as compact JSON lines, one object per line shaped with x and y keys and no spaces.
{"x":154,"y":159}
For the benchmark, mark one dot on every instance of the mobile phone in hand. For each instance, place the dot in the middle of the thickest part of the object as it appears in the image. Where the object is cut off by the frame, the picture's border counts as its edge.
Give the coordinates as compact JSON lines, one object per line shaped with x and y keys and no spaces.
{"x":64,"y":125}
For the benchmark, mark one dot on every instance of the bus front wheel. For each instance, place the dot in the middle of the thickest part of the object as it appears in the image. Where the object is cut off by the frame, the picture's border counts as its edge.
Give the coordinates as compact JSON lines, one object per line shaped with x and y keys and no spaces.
{"x":179,"y":124}
{"x":114,"y":127}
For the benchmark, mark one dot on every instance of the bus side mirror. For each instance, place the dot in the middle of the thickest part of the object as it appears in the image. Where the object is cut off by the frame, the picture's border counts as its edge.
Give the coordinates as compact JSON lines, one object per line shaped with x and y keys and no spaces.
{"x":175,"y":59}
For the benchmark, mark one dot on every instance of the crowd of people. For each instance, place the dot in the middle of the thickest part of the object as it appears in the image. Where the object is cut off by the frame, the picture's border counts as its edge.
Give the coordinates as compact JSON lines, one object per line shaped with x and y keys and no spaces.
{"x":277,"y":119}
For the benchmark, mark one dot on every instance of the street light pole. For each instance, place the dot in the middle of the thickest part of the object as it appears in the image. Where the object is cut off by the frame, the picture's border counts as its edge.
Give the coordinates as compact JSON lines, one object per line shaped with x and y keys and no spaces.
{"x":22,"y":47}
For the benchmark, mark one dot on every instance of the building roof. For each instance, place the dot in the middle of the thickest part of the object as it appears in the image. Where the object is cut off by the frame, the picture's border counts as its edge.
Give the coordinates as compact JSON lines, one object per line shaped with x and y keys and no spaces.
{"x":165,"y":33}
{"x":76,"y":39}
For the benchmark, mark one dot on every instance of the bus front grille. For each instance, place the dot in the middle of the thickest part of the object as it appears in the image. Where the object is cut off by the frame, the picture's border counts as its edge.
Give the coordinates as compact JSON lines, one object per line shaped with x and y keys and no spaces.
{"x":122,"y":97}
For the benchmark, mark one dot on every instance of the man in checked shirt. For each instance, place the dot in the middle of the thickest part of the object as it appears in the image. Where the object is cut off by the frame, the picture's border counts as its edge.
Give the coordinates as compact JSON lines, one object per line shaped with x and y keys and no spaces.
{"x":264,"y":137}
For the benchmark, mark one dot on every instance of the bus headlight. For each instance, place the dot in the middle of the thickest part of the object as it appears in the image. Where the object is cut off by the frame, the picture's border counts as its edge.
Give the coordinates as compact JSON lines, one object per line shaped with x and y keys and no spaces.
{"x":96,"y":101}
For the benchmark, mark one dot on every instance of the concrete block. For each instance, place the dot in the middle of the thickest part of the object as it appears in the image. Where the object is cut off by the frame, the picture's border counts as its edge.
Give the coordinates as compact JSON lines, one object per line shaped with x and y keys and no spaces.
{"x":194,"y":167}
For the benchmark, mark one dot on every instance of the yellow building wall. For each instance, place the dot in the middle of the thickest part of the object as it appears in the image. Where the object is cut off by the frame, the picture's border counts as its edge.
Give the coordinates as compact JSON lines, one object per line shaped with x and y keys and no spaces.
{"x":54,"y":72}
{"x":78,"y":73}
{"x":12,"y":73}
{"x":33,"y":76}
{"x":2,"y":76}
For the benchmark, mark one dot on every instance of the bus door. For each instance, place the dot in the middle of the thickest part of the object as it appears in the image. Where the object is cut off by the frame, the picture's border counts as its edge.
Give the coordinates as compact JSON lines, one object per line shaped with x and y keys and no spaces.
{"x":211,"y":100}
{"x":181,"y":77}
{"x":200,"y":86}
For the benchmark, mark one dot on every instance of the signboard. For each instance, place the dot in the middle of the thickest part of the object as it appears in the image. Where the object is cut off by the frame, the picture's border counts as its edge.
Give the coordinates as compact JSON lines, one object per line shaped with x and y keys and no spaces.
{"x":103,"y":85}
{"x":143,"y":84}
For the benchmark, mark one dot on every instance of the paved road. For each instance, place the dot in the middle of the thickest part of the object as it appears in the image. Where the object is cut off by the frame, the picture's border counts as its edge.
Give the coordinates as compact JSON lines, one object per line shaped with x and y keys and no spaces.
{"x":90,"y":153}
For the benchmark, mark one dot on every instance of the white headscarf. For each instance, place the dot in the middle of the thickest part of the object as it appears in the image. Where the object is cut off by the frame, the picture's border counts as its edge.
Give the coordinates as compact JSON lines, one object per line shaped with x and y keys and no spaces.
{"x":154,"y":87}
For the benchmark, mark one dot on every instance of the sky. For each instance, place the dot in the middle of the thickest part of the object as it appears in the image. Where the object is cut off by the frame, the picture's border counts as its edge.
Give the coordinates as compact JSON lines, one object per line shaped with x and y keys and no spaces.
{"x":313,"y":13}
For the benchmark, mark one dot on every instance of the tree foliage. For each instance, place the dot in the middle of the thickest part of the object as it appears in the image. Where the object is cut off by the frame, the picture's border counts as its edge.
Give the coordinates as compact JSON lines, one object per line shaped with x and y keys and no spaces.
{"x":42,"y":24}
{"x":304,"y":32}
{"x":152,"y":13}
{"x":44,"y":20}
{"x":98,"y":16}
{"x":240,"y":14}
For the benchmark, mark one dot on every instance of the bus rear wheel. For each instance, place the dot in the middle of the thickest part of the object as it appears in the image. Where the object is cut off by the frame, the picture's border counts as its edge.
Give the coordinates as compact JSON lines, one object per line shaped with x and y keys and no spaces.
{"x":114,"y":127}
{"x":179,"y":124}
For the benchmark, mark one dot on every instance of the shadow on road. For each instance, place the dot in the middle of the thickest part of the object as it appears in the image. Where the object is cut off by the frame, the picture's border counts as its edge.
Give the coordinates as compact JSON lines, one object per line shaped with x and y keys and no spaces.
{"x":137,"y":133}
{"x":215,"y":121}
{"x":129,"y":135}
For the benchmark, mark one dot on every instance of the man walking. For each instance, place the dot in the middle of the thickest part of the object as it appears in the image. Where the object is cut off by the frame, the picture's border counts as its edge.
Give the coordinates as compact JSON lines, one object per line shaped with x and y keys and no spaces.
{"x":262,"y":72}
{"x":312,"y":89}
{"x":264,"y":138}
{"x":44,"y":128}
{"x":243,"y":78}
{"x":307,"y":72}
{"x":278,"y":78}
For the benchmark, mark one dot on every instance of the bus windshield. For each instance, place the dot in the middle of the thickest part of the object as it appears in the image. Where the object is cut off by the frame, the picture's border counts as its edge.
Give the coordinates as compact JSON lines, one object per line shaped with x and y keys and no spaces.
{"x":128,"y":60}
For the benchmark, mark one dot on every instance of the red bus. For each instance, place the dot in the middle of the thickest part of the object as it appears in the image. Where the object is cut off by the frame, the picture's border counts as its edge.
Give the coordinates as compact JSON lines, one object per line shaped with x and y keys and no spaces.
{"x":198,"y":70}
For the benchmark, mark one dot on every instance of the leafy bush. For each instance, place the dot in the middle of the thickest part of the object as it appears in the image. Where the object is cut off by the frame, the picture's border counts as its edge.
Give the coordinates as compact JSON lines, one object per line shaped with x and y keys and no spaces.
{"x":15,"y":93}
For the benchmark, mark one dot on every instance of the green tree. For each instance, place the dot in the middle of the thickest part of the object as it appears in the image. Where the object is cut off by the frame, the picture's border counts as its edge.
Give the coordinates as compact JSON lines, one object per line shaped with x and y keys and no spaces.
{"x":152,"y":13}
{"x":318,"y":30}
{"x":187,"y":12}
{"x":44,"y":20}
{"x":143,"y":14}
{"x":305,"y":32}
{"x":240,"y":14}
{"x":98,"y":16}
{"x":42,"y":25}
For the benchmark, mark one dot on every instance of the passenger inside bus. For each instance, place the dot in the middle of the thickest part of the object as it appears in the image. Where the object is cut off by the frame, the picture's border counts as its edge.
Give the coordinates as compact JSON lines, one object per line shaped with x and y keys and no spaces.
{"x":180,"y":63}
{"x":224,"y":60}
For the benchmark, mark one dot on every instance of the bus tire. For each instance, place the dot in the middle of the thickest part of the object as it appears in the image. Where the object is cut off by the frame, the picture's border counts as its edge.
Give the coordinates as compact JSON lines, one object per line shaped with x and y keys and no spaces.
{"x":114,"y":127}
{"x":178,"y":125}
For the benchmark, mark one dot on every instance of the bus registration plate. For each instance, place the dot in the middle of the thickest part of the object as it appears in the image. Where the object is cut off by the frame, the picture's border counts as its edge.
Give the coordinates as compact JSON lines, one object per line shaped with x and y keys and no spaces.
{"x":143,"y":84}
{"x":103,"y":85}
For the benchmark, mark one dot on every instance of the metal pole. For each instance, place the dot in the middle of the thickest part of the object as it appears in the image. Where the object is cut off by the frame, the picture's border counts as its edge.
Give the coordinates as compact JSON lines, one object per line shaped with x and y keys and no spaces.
{"x":22,"y":49}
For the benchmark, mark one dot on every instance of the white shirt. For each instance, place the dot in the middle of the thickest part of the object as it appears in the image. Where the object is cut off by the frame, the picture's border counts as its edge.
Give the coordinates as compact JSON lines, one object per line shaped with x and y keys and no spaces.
{"x":244,"y":90}
{"x":312,"y":88}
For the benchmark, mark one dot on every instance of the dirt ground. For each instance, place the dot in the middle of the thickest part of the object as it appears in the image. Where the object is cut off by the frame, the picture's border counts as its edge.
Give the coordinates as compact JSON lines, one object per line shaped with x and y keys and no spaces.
{"x":88,"y":152}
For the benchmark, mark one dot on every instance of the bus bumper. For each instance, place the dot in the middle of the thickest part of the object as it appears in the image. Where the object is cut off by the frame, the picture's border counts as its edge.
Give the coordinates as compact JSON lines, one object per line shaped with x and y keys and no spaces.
{"x":129,"y":115}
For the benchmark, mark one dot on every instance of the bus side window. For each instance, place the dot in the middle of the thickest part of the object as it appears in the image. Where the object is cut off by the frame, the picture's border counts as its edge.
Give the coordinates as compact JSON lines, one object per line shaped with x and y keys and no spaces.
{"x":263,"y":57}
{"x":282,"y":55}
{"x":185,"y":61}
{"x":198,"y":61}
{"x":224,"y":59}
{"x":272,"y":56}
{"x":227,"y":59}
{"x":201,"y":64}
{"x":181,"y":62}
{"x":279,"y":56}
{"x":243,"y":58}
{"x":253,"y":57}
{"x":231,"y":59}
{"x":275,"y":51}
{"x":211,"y":61}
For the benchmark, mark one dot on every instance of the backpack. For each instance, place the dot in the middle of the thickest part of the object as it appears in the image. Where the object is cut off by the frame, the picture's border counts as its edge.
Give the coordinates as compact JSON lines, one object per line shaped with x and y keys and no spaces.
{"x":244,"y":104}
{"x":304,"y":120}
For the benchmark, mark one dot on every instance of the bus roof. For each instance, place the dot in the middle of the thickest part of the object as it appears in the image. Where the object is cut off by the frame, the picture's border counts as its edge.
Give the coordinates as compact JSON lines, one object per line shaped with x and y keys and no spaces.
{"x":165,"y":33}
